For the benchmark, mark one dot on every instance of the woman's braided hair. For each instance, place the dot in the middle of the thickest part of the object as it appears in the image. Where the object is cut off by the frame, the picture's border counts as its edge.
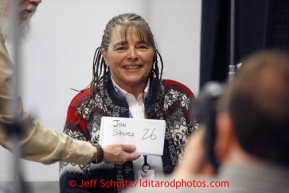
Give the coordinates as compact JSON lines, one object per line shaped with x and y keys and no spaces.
{"x":101,"y":71}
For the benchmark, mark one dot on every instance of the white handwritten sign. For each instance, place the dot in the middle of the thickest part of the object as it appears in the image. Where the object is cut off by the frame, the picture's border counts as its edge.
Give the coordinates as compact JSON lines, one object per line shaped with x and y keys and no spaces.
{"x":147,"y":135}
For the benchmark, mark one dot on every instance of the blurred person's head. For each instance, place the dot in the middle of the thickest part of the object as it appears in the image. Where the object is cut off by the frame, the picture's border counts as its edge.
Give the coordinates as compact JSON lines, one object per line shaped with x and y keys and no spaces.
{"x":256,"y":116}
{"x":26,"y":9}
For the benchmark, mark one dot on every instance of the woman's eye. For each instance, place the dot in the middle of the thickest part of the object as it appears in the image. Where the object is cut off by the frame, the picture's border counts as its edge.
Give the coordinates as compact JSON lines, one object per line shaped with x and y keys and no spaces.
{"x":143,"y":47}
{"x":120,"y":48}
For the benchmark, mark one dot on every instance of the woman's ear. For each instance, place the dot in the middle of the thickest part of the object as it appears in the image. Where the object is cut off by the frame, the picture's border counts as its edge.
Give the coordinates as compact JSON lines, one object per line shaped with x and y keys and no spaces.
{"x":104,"y":55}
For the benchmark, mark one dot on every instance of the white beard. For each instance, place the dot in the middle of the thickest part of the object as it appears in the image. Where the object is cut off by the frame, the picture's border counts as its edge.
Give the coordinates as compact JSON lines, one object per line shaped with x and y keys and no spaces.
{"x":6,"y":24}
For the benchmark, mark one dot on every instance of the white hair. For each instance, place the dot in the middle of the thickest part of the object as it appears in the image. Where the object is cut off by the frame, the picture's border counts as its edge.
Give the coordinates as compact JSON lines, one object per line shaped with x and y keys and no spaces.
{"x":6,"y":21}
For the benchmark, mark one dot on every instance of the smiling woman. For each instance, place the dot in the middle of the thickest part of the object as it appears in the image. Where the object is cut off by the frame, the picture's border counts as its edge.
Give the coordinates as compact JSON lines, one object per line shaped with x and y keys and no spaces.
{"x":127,"y":82}
{"x":129,"y":58}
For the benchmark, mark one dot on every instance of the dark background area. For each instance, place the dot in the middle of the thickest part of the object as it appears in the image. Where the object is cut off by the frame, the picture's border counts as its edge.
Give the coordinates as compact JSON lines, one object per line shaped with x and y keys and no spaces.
{"x":259,"y":24}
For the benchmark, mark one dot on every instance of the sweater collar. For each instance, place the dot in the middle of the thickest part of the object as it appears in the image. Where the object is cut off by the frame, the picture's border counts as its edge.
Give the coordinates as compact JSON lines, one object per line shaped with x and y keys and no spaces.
{"x":124,"y":92}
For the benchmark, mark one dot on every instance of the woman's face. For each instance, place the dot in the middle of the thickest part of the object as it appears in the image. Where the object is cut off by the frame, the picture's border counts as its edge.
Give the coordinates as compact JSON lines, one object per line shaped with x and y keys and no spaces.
{"x":130,"y":62}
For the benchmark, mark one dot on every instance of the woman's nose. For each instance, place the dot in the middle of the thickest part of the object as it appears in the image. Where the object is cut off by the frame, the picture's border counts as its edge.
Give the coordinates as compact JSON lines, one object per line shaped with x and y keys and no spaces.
{"x":132,"y":53}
